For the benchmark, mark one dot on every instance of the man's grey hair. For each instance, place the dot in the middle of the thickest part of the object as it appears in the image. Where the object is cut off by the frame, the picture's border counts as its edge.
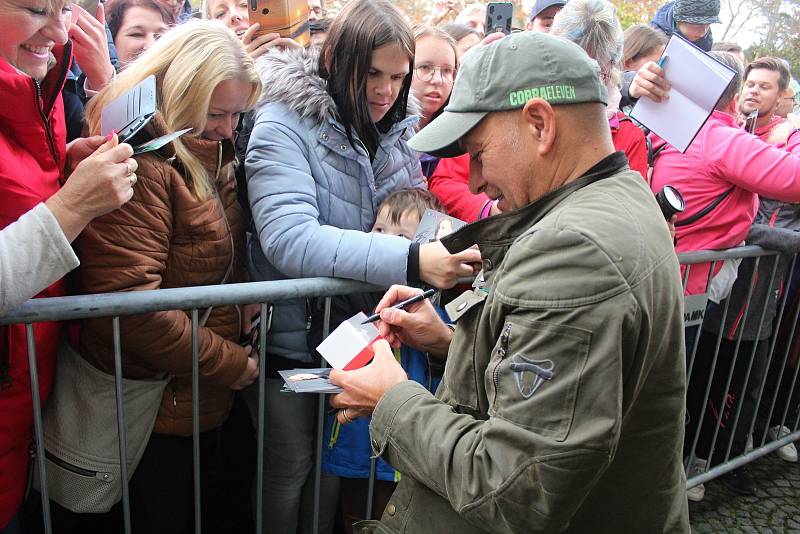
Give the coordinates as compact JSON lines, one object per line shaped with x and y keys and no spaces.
{"x":732,"y":91}
{"x":593,"y":25}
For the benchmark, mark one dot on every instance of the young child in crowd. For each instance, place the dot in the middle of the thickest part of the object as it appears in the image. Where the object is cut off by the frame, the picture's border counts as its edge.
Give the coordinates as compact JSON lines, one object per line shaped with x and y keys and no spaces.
{"x":346,"y":451}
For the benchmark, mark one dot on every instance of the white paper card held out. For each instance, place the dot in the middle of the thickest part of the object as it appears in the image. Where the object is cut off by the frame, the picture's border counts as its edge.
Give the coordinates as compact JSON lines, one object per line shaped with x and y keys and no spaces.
{"x":350,"y":345}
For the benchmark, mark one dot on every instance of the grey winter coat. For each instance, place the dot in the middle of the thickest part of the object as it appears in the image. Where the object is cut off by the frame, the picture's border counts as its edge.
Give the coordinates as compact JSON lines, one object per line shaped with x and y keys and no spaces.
{"x":314,"y":197}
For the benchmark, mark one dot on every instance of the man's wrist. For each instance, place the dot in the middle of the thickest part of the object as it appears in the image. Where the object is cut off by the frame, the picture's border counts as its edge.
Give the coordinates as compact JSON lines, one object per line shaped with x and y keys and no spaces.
{"x":442,"y":346}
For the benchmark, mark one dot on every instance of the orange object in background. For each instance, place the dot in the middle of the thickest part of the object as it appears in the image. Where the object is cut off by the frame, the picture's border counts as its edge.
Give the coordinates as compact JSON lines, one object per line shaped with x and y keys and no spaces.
{"x":289,"y":18}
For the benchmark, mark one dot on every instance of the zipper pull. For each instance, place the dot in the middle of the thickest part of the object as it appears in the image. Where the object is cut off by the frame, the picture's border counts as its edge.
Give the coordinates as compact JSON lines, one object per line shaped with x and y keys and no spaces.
{"x":174,"y":398}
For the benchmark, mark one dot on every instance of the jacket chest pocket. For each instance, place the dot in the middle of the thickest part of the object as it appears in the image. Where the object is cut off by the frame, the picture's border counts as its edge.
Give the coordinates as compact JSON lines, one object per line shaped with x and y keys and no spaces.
{"x":534,"y":375}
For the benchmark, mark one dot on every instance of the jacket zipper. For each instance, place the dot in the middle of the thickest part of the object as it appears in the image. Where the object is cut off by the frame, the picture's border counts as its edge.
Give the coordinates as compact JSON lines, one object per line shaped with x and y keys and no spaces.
{"x":48,"y":130}
{"x":75,"y":469}
{"x":501,"y":352}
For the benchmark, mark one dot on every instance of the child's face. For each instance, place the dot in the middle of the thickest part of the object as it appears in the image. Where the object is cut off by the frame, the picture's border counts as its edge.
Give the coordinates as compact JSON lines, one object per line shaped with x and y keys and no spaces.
{"x":407,"y":226}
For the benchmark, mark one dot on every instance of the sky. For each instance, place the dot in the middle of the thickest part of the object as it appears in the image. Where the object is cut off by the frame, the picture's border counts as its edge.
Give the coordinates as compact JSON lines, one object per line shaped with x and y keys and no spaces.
{"x":746,"y":37}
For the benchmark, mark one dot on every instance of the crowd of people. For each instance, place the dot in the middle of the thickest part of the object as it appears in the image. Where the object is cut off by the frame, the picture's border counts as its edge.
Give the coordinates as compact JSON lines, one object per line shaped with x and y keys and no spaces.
{"x":568,"y":393}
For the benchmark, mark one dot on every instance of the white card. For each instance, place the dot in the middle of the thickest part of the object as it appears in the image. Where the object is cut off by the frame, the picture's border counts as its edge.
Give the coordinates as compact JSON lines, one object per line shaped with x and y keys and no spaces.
{"x":350,"y":345}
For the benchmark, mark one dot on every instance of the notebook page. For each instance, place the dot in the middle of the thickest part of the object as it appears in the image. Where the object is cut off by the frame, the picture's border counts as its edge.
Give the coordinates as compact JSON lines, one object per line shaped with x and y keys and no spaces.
{"x":697,"y":82}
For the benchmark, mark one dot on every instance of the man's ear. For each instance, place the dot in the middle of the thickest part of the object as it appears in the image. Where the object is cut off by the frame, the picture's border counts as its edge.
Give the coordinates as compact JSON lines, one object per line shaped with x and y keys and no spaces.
{"x":539,"y":119}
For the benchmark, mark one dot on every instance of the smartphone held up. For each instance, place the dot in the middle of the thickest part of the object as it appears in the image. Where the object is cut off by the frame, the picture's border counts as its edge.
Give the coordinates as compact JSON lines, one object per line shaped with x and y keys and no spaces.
{"x":499,"y":16}
{"x":288,"y":18}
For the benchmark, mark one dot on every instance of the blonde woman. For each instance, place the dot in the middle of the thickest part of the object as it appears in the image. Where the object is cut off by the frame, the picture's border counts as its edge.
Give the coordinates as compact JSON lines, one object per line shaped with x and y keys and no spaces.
{"x":183,"y":227}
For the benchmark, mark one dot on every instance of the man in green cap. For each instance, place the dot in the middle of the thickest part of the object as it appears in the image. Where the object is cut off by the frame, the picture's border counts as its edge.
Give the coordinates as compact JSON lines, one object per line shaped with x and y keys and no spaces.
{"x":562,"y":402}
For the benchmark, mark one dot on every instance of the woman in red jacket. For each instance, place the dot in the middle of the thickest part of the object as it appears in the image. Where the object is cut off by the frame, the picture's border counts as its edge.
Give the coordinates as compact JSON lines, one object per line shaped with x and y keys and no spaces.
{"x":34,"y":160}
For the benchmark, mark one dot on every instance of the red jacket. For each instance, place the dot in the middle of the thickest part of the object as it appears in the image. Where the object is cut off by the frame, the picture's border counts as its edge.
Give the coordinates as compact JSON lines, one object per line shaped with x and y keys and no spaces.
{"x":630,"y":139}
{"x":449,"y":184}
{"x":32,"y":155}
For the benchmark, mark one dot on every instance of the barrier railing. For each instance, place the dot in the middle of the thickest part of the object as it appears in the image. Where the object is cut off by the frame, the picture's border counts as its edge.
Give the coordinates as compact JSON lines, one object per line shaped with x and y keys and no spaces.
{"x":196,"y":299}
{"x":751,"y":363}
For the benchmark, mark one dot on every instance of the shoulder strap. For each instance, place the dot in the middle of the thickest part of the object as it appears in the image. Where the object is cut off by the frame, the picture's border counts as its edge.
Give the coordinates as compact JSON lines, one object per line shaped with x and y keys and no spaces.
{"x":705,"y":211}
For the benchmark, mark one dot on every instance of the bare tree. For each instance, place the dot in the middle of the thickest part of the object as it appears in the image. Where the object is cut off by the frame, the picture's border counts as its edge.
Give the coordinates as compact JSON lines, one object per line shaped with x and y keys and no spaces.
{"x":739,"y":14}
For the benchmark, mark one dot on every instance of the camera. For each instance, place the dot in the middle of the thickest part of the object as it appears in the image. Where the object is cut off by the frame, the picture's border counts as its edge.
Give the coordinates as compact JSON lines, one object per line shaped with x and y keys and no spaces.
{"x":670,"y":201}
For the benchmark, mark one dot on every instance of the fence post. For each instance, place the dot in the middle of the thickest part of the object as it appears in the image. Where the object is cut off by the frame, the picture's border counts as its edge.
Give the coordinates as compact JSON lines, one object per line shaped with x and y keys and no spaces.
{"x":38,"y":428}
{"x":326,"y":327}
{"x":121,"y":430}
{"x":262,"y":380}
{"x":198,"y":528}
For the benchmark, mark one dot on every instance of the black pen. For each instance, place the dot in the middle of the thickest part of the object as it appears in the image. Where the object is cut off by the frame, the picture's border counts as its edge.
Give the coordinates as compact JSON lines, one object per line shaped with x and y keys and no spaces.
{"x":400,"y":305}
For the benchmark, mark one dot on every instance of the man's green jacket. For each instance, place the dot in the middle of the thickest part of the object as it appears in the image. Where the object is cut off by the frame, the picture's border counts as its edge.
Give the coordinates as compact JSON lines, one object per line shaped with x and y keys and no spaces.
{"x":562,"y":403}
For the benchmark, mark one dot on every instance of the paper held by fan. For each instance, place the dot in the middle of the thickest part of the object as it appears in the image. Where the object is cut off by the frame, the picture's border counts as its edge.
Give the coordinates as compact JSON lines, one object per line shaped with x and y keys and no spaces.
{"x":350,"y":345}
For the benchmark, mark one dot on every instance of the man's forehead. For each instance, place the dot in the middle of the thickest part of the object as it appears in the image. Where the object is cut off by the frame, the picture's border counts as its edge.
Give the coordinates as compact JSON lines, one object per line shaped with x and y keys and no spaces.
{"x":764,"y":74}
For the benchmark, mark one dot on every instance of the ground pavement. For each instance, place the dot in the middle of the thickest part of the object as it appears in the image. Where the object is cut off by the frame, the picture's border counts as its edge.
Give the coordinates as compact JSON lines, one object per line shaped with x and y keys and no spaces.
{"x":775,"y":509}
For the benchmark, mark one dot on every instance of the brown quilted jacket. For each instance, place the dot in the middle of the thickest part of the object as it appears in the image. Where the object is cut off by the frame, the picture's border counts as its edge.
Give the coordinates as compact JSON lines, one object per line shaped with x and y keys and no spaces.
{"x":165,"y":238}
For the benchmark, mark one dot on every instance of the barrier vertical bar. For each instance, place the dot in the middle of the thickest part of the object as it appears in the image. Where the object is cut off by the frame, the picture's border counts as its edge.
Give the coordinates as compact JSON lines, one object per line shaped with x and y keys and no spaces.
{"x":733,"y":360}
{"x":774,"y":341}
{"x":373,"y":465}
{"x":701,"y":418}
{"x":752,"y":360}
{"x":789,"y":399}
{"x":196,"y":420}
{"x":790,"y":338}
{"x":38,"y":427}
{"x":326,"y":327}
{"x":121,"y":430}
{"x":262,"y":381}
{"x":700,"y":327}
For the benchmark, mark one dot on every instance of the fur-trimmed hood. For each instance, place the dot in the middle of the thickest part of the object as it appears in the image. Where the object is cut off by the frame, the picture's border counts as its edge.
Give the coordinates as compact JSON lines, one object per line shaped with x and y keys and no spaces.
{"x":292,"y":77}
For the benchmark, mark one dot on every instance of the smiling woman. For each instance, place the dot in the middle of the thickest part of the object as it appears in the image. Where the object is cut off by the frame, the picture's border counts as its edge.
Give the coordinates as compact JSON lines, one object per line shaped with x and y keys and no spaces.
{"x":184,"y":228}
{"x":34,"y":160}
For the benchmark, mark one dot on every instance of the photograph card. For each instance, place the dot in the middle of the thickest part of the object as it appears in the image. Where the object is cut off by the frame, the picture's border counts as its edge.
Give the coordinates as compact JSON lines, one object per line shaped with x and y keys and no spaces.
{"x":435,"y":225}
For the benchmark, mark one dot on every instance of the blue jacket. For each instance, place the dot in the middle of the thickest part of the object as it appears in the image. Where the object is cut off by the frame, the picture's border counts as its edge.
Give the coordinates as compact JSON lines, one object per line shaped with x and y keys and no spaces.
{"x":314,"y":197}
{"x":347,"y":448}
{"x":665,"y":21}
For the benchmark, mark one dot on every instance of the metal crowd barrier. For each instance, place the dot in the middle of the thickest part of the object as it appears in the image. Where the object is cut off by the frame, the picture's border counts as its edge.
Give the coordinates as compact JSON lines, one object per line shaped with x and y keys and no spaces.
{"x":693,"y":317}
{"x":115,"y":305}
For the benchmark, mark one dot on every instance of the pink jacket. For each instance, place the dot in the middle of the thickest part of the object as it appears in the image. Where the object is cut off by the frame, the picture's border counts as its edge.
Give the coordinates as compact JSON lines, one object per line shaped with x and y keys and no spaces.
{"x":724,"y":156}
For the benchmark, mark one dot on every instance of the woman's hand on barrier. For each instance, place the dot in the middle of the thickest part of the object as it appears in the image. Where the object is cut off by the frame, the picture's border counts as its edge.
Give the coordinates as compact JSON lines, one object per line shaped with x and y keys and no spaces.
{"x":364,"y":387}
{"x":650,"y":81}
{"x":441,"y":269}
{"x":417,"y":326}
{"x":250,"y":372}
{"x":90,"y":45}
{"x":258,"y":45}
{"x":99,"y":184}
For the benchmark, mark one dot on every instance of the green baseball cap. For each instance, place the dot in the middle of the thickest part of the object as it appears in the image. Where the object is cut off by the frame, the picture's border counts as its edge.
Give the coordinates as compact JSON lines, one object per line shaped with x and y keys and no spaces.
{"x":504,"y":76}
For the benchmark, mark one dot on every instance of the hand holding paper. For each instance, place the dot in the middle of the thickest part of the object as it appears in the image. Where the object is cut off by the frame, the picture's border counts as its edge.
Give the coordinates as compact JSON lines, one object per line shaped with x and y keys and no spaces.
{"x":364,"y":387}
{"x":698,"y":81}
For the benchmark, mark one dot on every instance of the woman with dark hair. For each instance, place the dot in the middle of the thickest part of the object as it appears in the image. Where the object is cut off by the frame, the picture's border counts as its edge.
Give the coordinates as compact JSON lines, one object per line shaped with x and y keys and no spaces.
{"x":328,"y":145}
{"x":136,"y":25}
